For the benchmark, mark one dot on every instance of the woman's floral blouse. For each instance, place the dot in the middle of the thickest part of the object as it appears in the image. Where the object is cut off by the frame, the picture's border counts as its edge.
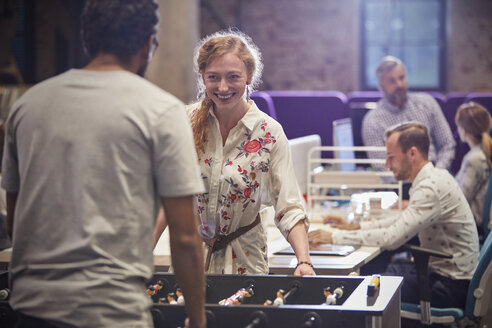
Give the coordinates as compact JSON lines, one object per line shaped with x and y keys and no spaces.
{"x":251,"y":171}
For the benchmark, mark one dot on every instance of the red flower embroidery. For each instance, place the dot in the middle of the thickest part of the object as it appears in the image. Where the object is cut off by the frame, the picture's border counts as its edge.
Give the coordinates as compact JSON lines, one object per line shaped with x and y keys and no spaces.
{"x":252,"y":146}
{"x":241,"y":270}
{"x":247,"y":192}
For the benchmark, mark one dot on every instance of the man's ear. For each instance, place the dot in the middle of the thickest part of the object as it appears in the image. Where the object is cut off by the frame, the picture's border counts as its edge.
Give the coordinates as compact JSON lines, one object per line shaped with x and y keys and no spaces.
{"x":145,"y":52}
{"x":413,"y":151}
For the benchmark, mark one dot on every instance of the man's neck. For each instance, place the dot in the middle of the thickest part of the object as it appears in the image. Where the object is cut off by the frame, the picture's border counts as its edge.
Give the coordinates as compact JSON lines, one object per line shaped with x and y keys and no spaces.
{"x":108,"y":62}
{"x":415,"y":172}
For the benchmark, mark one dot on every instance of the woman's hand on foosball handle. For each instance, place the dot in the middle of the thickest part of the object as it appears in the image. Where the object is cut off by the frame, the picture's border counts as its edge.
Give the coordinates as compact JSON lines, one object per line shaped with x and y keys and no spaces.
{"x":304,"y":270}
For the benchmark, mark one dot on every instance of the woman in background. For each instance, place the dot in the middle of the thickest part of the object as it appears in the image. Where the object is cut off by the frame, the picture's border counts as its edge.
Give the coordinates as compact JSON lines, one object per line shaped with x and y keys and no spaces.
{"x":474,"y":123}
{"x":245,"y":162}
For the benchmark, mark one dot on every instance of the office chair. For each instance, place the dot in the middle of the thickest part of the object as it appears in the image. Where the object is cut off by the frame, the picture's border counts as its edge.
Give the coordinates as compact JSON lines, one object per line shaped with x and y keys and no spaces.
{"x":486,"y":209}
{"x":477,"y":309}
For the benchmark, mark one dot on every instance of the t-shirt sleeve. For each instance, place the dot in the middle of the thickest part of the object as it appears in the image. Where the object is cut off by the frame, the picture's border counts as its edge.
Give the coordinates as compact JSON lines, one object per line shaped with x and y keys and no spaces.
{"x":174,"y":157}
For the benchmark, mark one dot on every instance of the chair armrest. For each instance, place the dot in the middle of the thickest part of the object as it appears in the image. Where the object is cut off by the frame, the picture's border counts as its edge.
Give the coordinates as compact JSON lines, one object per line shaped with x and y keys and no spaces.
{"x":421,"y":258}
{"x":425,"y":251}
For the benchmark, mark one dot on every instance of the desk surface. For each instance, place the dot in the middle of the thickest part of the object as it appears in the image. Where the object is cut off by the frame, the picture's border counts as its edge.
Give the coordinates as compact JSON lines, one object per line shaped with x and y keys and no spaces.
{"x":323,"y":265}
{"x":278,"y":264}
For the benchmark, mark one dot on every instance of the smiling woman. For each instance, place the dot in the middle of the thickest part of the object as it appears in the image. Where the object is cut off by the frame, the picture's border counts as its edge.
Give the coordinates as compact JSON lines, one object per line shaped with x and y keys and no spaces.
{"x":245,"y":162}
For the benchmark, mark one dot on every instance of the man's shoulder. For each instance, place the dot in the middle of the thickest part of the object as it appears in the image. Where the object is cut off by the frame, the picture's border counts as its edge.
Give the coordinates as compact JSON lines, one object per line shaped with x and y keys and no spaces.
{"x":475,"y":157}
{"x":440,"y":178}
{"x":421,"y":98}
{"x":374,"y":115}
{"x":151,"y":95}
{"x":48,"y":83}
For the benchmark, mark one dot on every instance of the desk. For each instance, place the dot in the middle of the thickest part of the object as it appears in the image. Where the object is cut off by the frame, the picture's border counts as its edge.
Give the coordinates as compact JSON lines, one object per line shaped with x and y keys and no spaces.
{"x":326,"y":265}
{"x":323,"y":265}
{"x":278,"y":264}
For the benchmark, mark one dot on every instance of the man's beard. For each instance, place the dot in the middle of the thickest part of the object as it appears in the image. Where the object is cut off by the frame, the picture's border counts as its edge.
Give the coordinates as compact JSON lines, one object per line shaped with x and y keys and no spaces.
{"x":143,"y":69}
{"x":405,"y":170}
{"x":398,"y":97}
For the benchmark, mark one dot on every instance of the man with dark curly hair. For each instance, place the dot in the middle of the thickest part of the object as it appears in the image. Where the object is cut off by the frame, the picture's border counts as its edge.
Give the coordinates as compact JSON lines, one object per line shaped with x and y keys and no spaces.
{"x":91,"y":155}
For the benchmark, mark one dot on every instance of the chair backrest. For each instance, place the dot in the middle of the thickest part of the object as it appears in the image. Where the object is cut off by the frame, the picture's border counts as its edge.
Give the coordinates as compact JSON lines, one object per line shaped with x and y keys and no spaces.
{"x":264,"y":103}
{"x":480,"y":289}
{"x":451,"y":104}
{"x":358,"y":111}
{"x":439,"y":97}
{"x":483,"y":98}
{"x":303,"y":113}
{"x":486,"y":208}
{"x":363,"y":96}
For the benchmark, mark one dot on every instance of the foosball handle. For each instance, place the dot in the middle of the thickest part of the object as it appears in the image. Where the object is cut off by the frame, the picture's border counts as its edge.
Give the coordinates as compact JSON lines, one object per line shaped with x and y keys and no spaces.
{"x":312,"y":320}
{"x":295,"y":290}
{"x":157,"y":317}
{"x":211,"y":321}
{"x":257,"y":319}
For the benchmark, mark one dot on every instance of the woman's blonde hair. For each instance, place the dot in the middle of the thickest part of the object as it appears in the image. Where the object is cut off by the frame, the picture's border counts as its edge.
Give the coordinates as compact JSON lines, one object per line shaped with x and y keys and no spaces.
{"x":476,"y":121}
{"x":210,"y":48}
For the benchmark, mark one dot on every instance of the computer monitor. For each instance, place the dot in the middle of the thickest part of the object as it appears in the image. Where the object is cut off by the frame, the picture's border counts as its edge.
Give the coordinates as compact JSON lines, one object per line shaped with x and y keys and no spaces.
{"x":343,"y":137}
{"x":299,"y":148}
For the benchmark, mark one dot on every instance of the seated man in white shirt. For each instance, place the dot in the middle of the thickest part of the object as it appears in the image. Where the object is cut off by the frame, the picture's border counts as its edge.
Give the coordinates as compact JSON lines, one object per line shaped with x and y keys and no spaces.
{"x":437,"y":211}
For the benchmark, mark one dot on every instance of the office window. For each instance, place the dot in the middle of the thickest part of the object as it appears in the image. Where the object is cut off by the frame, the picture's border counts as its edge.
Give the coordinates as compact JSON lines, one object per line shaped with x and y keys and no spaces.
{"x":412,"y":30}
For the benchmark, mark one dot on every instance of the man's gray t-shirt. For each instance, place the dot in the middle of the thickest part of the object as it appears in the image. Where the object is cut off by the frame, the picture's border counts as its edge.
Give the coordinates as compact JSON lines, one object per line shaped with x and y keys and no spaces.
{"x":89,"y":153}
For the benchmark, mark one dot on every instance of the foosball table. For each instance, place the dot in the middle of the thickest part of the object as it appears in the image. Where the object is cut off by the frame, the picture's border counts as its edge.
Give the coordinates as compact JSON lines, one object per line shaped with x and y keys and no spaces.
{"x":286,"y":301}
{"x":277,"y":301}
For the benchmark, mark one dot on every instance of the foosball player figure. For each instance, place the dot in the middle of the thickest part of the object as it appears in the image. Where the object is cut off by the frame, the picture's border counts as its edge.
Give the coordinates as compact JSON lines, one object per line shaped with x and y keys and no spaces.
{"x":267,"y":303}
{"x":327,"y":293}
{"x":238,"y":296}
{"x":331,"y":298}
{"x":4,"y":294}
{"x":153,"y":289}
{"x":179,"y":293}
{"x":162,"y":300}
{"x":171,"y":298}
{"x":280,"y":298}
